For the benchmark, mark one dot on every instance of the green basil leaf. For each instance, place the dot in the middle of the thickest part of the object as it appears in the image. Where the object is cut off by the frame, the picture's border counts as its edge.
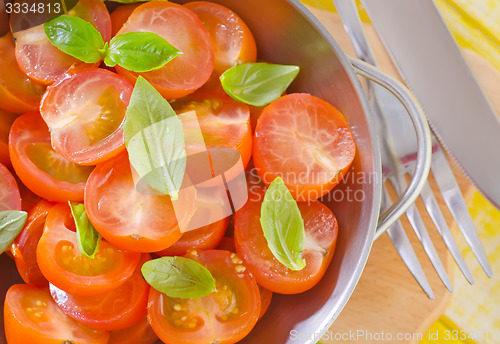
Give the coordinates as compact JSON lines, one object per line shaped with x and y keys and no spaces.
{"x":87,"y":236}
{"x":154,"y":138}
{"x":283,"y":226}
{"x":76,"y":37}
{"x":179,"y":277}
{"x":258,"y":84}
{"x":11,"y":224}
{"x":140,"y":51}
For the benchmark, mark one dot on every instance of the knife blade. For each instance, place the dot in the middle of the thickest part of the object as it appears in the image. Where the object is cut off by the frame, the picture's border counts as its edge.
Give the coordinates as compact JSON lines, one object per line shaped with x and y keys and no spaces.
{"x":431,"y":63}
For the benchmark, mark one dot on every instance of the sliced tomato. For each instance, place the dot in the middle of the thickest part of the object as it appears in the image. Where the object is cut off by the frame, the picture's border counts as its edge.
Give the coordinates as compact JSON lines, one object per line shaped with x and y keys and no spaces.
{"x":184,"y":30}
{"x":131,"y":220}
{"x":321,"y":236}
{"x":36,"y":55}
{"x":40,"y":168}
{"x":10,"y":199}
{"x":224,"y":317}
{"x":117,"y":309}
{"x":120,"y":16}
{"x":305,"y":141}
{"x":85,"y":113}
{"x":6,"y":120}
{"x":224,"y":122}
{"x":24,"y":247}
{"x":62,"y":263}
{"x":265,"y":297}
{"x":139,"y":333}
{"x":31,"y":316}
{"x":18,"y":93}
{"x":204,"y":238}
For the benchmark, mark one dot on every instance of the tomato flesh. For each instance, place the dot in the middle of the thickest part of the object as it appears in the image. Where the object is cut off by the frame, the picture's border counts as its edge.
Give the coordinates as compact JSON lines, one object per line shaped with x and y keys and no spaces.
{"x":6,"y":120}
{"x":139,"y":333}
{"x":31,"y":316}
{"x":225,"y":316}
{"x":9,"y":196}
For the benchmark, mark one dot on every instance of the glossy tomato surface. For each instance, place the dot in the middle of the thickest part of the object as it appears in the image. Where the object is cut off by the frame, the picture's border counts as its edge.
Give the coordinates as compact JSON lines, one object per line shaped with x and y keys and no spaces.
{"x":31,"y":316}
{"x":9,"y":192}
{"x":62,"y":263}
{"x":6,"y":120}
{"x":225,"y":316}
{"x":184,"y":30}
{"x":39,"y":166}
{"x":321,"y":236}
{"x":139,"y":333}
{"x":85,"y":113}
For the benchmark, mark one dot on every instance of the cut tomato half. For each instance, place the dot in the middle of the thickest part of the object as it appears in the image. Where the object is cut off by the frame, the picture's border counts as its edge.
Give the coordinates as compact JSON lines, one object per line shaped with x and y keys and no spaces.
{"x":10,"y":199}
{"x":139,"y":333}
{"x":6,"y":120}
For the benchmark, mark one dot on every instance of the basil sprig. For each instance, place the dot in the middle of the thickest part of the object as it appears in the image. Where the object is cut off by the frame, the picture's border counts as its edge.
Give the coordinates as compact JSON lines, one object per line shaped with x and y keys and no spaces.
{"x":258,"y":84}
{"x":87,"y":237}
{"x":11,"y":224}
{"x":135,"y":51}
{"x":179,"y":277}
{"x":283,"y":226}
{"x":154,"y":139}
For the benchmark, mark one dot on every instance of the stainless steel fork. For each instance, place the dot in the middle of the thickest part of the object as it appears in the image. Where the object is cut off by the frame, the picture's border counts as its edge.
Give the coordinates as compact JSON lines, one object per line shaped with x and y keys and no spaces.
{"x":398,"y":146}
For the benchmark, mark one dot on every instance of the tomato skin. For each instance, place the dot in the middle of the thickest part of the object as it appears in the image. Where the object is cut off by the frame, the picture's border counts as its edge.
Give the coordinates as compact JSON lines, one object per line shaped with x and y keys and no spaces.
{"x":11,"y":199}
{"x":210,"y":324}
{"x":129,"y":219}
{"x":114,"y":310}
{"x":79,"y":141}
{"x":32,"y":158}
{"x":18,"y":94}
{"x":266,"y":298}
{"x":24,"y":247}
{"x":139,"y":333}
{"x":321,"y":236}
{"x":120,"y":16}
{"x":31,"y":316}
{"x":304,"y":140}
{"x":183,"y":29}
{"x":63,"y":265}
{"x":6,"y":120}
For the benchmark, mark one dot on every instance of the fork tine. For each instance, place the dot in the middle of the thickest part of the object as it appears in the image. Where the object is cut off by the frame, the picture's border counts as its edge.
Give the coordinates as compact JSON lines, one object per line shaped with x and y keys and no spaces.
{"x":453,"y":198}
{"x":437,"y":217}
{"x":419,"y":227}
{"x":403,"y":246}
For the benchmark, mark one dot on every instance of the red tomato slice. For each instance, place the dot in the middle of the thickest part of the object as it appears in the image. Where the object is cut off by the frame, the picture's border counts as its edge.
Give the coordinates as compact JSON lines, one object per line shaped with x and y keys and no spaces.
{"x":24,"y":247}
{"x":6,"y":120}
{"x":265,"y":297}
{"x":224,"y":122}
{"x":85,"y":113}
{"x":181,"y":28}
{"x":120,"y":16}
{"x":31,"y":316}
{"x":17,"y":93}
{"x":305,"y":141}
{"x":321,"y":236}
{"x":9,"y":192}
{"x":113,"y":310}
{"x":36,"y":55}
{"x":131,"y":220}
{"x":63,"y":265}
{"x":40,"y":168}
{"x":139,"y":333}
{"x":224,"y":317}
{"x":204,"y":238}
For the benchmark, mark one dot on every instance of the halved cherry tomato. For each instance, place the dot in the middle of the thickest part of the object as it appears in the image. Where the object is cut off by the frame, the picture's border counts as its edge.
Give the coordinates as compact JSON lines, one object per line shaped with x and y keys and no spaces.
{"x":224,"y":317}
{"x":40,"y":168}
{"x":24,"y":247}
{"x":204,"y":238}
{"x":224,"y":122}
{"x":36,"y":55}
{"x":231,"y":38}
{"x":131,"y":220}
{"x":62,"y":263}
{"x":85,"y":113}
{"x":9,"y":192}
{"x":113,"y":310}
{"x":139,"y":333}
{"x":305,"y":141}
{"x":17,"y":92}
{"x":31,"y":316}
{"x":321,"y":236}
{"x":6,"y":120}
{"x":184,"y":30}
{"x":120,"y":16}
{"x":266,"y":297}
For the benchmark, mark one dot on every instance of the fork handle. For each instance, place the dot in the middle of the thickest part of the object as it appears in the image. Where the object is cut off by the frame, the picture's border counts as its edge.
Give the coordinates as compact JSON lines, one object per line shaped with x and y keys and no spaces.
{"x":424,"y":142}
